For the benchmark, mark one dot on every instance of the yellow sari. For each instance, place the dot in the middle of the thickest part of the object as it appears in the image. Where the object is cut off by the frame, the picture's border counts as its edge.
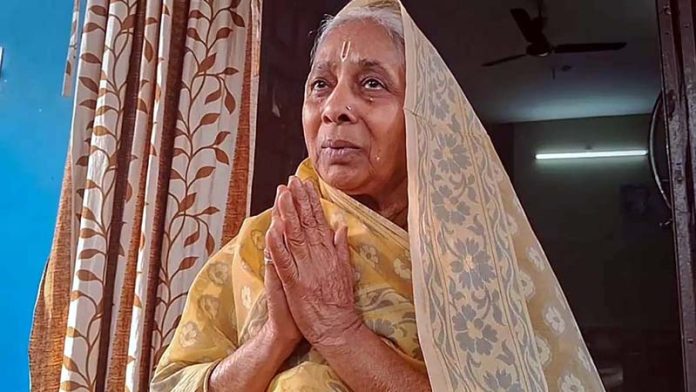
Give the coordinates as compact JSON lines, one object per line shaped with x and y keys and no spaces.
{"x":226,"y":305}
{"x":467,"y":291}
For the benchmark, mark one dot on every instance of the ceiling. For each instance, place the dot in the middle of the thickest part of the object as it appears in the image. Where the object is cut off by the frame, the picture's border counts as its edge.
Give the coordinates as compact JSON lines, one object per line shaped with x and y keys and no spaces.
{"x":470,"y":32}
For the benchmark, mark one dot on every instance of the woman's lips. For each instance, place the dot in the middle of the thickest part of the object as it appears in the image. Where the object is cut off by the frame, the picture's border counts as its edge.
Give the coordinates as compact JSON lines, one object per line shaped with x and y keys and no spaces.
{"x":339,"y":151}
{"x":337,"y":144}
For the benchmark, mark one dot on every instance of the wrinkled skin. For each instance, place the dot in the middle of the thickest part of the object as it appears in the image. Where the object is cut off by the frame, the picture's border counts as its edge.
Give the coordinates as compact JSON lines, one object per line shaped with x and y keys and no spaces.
{"x":353,"y":117}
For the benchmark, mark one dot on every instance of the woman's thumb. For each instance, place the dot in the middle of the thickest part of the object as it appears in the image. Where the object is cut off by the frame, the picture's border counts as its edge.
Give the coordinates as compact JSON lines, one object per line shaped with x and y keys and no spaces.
{"x":341,"y":243}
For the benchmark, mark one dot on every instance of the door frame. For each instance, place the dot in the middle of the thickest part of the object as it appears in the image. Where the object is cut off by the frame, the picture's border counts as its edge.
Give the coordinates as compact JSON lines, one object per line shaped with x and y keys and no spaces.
{"x":678,"y":58}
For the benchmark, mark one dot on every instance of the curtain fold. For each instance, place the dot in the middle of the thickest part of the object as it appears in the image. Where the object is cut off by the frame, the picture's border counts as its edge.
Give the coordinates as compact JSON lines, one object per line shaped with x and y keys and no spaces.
{"x":157,"y":179}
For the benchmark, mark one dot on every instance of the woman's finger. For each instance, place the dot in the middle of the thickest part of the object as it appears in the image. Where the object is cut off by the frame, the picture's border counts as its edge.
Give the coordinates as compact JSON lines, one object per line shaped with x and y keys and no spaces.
{"x":341,"y":243}
{"x":271,"y":279}
{"x":282,"y":259}
{"x":275,"y":217}
{"x":322,"y":225}
{"x":275,"y":212}
{"x":292,"y":228}
{"x":304,"y":210}
{"x":343,"y":257}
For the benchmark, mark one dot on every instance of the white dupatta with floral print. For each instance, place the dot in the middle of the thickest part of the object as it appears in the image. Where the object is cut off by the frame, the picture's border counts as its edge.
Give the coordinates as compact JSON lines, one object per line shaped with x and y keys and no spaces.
{"x":491,"y":315}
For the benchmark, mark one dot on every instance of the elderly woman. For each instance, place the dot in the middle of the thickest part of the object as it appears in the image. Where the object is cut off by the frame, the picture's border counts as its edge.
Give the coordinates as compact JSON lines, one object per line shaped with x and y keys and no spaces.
{"x":373,"y":272}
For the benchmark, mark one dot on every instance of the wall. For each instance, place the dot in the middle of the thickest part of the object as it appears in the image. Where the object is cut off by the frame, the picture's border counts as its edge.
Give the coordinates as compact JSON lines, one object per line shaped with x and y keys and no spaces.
{"x":34,"y":129}
{"x":288,"y":30}
{"x":617,"y":269}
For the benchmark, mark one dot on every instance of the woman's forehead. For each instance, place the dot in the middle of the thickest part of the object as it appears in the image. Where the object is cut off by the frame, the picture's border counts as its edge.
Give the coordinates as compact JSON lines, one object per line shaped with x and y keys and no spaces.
{"x":361,"y":42}
{"x":365,"y":64}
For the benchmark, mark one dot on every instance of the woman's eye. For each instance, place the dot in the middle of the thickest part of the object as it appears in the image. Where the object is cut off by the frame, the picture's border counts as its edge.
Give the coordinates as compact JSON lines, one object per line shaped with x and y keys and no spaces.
{"x":319,"y":85}
{"x":373,"y":84}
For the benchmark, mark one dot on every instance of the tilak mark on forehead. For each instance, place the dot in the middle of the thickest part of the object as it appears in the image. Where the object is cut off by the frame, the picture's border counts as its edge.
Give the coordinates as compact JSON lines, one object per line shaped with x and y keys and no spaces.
{"x":345,"y":50}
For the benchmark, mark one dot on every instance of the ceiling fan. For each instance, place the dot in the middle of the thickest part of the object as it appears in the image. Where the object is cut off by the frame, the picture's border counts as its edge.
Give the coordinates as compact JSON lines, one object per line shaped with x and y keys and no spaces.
{"x":539,"y":45}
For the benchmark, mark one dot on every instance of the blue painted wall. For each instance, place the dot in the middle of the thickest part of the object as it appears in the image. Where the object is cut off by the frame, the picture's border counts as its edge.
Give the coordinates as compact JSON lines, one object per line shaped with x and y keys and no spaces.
{"x":34,"y":132}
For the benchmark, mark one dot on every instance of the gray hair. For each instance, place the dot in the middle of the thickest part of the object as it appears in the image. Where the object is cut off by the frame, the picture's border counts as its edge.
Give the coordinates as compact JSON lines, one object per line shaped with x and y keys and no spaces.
{"x":385,"y":13}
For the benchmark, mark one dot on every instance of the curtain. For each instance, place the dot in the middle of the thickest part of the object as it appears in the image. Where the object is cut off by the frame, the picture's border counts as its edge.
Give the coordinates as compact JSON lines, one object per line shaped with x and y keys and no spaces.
{"x":157,"y":178}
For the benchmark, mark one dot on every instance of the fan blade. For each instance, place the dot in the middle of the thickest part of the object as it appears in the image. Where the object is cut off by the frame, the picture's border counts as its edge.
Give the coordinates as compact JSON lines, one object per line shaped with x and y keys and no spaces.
{"x":504,"y":60}
{"x":594,"y":47}
{"x":531,"y":30}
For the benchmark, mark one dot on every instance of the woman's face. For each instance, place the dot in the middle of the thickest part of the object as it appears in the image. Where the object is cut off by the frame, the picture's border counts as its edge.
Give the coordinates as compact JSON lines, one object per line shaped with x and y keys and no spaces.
{"x":353,"y":115}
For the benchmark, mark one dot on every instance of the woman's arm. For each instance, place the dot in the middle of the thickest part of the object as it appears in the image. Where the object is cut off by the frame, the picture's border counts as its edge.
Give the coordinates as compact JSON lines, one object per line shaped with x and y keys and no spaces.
{"x":252,"y":366}
{"x":364,"y":362}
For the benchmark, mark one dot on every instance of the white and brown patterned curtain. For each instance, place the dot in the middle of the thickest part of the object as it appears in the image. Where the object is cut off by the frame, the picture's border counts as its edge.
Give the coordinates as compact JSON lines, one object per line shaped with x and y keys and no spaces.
{"x":157,"y":179}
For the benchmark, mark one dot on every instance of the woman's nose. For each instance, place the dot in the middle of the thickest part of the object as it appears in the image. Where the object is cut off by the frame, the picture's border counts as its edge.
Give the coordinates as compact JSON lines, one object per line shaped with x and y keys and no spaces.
{"x":340,"y":107}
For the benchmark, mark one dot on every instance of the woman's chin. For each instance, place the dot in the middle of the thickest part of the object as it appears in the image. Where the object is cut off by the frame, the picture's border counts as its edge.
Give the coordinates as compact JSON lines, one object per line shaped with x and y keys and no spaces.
{"x":346,"y":178}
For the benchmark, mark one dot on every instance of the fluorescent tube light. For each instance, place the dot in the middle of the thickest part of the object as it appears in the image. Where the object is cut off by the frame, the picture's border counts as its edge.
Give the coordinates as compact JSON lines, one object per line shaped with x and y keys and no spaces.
{"x":592,"y":154}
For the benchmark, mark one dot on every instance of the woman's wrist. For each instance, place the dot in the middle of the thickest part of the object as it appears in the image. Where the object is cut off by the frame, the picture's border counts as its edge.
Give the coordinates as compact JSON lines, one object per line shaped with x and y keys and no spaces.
{"x":253,"y":365}
{"x":342,"y":337}
{"x":384,"y":369}
{"x":280,"y":345}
